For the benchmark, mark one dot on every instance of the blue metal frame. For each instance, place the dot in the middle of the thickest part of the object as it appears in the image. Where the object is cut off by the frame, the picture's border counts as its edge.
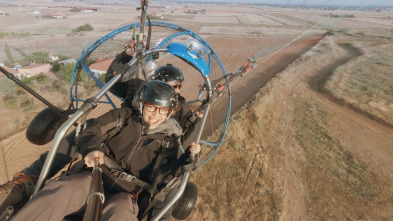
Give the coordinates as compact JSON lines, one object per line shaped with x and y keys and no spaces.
{"x":192,"y":57}
{"x":176,"y":49}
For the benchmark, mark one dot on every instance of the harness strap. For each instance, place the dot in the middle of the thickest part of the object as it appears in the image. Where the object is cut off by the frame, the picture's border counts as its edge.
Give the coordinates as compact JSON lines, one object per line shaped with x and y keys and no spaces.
{"x":160,"y":197}
{"x":114,"y":131}
{"x":117,"y":171}
{"x":78,"y":131}
{"x":190,"y":121}
{"x":134,"y":180}
{"x":80,"y":128}
{"x":164,"y":148}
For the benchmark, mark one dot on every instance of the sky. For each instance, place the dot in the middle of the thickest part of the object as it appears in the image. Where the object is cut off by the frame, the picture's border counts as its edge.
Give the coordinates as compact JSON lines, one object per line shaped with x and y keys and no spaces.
{"x":305,"y":2}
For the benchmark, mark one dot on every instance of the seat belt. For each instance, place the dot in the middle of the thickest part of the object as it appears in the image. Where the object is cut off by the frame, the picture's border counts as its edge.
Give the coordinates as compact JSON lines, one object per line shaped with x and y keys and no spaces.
{"x":116,"y":170}
{"x":119,"y":172}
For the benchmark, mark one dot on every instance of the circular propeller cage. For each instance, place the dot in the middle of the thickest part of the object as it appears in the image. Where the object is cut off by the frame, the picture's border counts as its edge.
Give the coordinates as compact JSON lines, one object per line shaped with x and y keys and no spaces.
{"x":202,"y":69}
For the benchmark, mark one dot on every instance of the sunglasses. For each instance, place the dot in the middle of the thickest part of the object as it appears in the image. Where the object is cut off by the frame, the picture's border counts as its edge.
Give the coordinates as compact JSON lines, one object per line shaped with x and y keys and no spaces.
{"x":153,"y":108}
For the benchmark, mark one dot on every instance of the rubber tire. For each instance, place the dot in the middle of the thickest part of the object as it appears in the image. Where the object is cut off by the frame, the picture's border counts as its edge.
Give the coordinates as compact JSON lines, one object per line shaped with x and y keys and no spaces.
{"x":43,"y":127}
{"x":184,"y":206}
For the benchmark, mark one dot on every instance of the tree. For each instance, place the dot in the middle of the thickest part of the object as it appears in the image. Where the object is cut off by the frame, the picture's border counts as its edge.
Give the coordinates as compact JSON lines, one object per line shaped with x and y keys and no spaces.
{"x":55,"y":67}
{"x":66,"y":71}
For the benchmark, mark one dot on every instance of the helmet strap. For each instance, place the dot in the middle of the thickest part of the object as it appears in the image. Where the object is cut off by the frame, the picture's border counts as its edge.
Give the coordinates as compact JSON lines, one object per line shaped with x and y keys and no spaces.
{"x":140,"y":107}
{"x":169,"y":115}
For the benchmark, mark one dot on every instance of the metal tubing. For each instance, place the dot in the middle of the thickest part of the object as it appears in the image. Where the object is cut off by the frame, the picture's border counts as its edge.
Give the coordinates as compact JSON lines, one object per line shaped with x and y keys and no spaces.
{"x":35,"y":94}
{"x":147,"y":52}
{"x":86,"y":107}
{"x":96,"y":197}
{"x":206,"y":111}
{"x":55,"y":146}
{"x":94,"y":209}
{"x":202,"y":125}
{"x":78,"y":114}
{"x":178,"y":194}
{"x":187,"y":174}
{"x":144,"y":6}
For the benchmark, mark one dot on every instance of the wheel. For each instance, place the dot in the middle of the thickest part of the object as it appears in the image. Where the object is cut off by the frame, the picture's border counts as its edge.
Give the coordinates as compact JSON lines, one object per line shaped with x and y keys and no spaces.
{"x":184,"y":206}
{"x":43,"y":127}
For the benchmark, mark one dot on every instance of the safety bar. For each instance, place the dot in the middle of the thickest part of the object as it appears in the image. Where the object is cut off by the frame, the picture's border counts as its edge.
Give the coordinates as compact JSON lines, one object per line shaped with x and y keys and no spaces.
{"x":186,"y":175}
{"x":31,"y":91}
{"x":87,"y":106}
{"x":96,"y":197}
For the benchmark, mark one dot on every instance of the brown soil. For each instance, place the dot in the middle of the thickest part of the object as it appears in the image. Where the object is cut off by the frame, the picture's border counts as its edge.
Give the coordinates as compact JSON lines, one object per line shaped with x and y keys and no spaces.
{"x":295,"y":154}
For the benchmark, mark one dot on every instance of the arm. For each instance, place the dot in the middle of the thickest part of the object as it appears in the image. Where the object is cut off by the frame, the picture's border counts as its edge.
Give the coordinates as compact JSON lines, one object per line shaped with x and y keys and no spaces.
{"x":118,"y":66}
{"x":134,"y":85}
{"x":176,"y":160}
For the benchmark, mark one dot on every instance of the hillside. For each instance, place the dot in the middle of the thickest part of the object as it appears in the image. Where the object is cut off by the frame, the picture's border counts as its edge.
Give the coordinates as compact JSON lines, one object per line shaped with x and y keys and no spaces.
{"x":297,"y":153}
{"x":311,"y":135}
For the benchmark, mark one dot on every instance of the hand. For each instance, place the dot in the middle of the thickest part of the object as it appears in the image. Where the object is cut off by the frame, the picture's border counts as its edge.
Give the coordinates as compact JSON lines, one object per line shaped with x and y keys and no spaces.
{"x":195,"y":148}
{"x":200,"y":113}
{"x":130,"y":48}
{"x":90,"y":157}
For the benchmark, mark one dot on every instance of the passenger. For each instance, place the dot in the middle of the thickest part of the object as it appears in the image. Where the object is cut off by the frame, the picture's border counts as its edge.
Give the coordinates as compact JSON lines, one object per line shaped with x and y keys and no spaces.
{"x":169,"y":73}
{"x":135,"y":148}
{"x":22,"y":186}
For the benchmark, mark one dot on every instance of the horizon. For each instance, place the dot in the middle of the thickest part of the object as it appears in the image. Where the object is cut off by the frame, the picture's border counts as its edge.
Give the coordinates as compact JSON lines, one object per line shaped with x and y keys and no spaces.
{"x":364,"y":3}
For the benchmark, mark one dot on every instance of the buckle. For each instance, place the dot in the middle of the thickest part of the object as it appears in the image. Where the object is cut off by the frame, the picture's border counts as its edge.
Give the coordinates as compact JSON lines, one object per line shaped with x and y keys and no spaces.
{"x":123,"y":175}
{"x":130,"y":178}
{"x":119,"y":125}
{"x":165,"y":143}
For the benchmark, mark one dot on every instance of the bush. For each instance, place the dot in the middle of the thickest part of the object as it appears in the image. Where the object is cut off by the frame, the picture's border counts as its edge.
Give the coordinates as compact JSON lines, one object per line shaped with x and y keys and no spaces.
{"x":21,"y":34}
{"x":26,"y":103}
{"x":6,"y":85}
{"x":62,"y":57}
{"x":19,"y":91}
{"x":86,"y":27}
{"x":55,"y":67}
{"x":8,"y":97}
{"x":29,"y":80}
{"x":102,"y":78}
{"x":59,"y":86}
{"x":66,"y":71}
{"x":10,"y":104}
{"x":88,"y":83}
{"x":39,"y":57}
{"x":10,"y":101}
{"x":43,"y":79}
{"x":4,"y":34}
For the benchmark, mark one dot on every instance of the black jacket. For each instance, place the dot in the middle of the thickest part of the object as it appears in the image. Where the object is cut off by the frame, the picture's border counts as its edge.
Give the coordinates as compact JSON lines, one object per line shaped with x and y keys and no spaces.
{"x":128,"y":91}
{"x":133,"y":147}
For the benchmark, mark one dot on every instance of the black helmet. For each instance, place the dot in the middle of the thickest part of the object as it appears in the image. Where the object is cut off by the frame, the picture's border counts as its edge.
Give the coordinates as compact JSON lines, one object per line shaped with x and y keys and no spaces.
{"x":168,"y":73}
{"x":159,"y":93}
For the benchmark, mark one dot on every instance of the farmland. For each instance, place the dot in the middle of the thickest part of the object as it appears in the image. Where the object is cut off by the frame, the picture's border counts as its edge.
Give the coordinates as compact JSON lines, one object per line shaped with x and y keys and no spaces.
{"x":311,"y":133}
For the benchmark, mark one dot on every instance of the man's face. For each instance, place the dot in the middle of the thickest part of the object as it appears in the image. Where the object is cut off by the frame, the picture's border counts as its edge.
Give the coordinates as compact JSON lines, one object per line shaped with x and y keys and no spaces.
{"x":176,"y":85}
{"x":154,"y":115}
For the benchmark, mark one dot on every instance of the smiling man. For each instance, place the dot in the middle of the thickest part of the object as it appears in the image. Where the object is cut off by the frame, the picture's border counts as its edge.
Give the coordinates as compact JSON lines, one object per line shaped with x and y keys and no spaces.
{"x":136,"y":149}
